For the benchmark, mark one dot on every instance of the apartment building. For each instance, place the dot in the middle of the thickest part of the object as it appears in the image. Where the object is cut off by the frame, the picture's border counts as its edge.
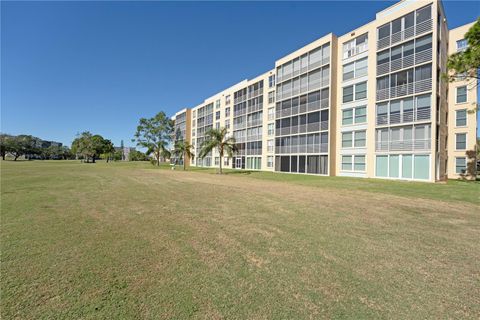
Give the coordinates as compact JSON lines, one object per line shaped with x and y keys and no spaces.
{"x":370,"y":103}
{"x":181,"y":132}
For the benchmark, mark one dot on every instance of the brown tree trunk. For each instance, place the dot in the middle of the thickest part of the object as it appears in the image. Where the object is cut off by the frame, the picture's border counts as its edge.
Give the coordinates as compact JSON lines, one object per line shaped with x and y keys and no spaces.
{"x":220,"y":161}
{"x":184,"y":161}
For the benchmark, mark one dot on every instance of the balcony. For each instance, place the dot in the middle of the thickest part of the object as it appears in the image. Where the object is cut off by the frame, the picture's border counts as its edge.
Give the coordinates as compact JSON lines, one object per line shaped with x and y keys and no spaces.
{"x":256,"y":107}
{"x":405,"y":62}
{"x":404,"y":145}
{"x":255,"y":93}
{"x":303,"y":128}
{"x":404,"y":89}
{"x":410,"y":32}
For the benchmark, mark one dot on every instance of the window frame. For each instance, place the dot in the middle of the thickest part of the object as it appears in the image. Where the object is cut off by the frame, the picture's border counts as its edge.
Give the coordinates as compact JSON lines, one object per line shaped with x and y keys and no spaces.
{"x":456,"y":141}
{"x":456,"y":95}
{"x":456,"y":118}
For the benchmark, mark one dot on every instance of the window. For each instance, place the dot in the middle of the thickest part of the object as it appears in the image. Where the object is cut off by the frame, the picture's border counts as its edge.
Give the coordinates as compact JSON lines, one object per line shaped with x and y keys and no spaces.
{"x":359,"y":163}
{"x":271,"y":113}
{"x":347,"y":116}
{"x":355,"y":46}
{"x":348,"y":94}
{"x":461,"y":141}
{"x":462,"y":45}
{"x":217,"y":125}
{"x":360,"y":139}
{"x":226,"y":161}
{"x":269,"y":161}
{"x":355,"y":92}
{"x":217,"y":104}
{"x":271,"y":97}
{"x":217,"y":161}
{"x":271,"y":81}
{"x":462,"y":94}
{"x":349,"y":71}
{"x":217,"y":115}
{"x":384,"y":31}
{"x":461,"y":118}
{"x":347,"y":139}
{"x":227,"y":123}
{"x":355,"y":69}
{"x":227,"y":100}
{"x":460,"y":165}
{"x":361,"y":114}
{"x":347,"y":163}
{"x":227,"y":112}
{"x":424,"y":14}
{"x":271,"y":129}
{"x":270,"y":145}
{"x":361,"y":91}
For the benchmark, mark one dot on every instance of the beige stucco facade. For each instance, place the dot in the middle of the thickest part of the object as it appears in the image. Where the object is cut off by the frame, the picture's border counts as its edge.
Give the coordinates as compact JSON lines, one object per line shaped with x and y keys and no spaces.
{"x":371,"y":103}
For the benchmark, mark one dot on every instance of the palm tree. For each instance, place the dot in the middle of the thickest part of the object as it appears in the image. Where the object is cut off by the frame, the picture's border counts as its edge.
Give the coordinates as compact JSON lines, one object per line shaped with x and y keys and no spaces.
{"x":218,"y":139}
{"x":183,"y":150}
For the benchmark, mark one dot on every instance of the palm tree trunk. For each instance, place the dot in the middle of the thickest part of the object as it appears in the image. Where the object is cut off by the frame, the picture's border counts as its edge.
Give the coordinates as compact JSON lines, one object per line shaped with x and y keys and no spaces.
{"x":220,"y":161}
{"x":184,"y":165}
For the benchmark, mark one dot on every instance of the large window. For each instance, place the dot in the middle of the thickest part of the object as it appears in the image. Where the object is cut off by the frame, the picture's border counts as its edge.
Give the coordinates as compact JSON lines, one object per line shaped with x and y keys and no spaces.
{"x":347,"y":116}
{"x":460,"y":165}
{"x":355,"y":69}
{"x":355,"y":46}
{"x":270,"y":161}
{"x":461,"y":141}
{"x":356,"y":139}
{"x":462,"y":94}
{"x":353,"y":163}
{"x":271,"y":97}
{"x":355,"y":92}
{"x":406,"y":166}
{"x":462,"y":45}
{"x":271,"y":129}
{"x":271,"y":81}
{"x":461,"y":118}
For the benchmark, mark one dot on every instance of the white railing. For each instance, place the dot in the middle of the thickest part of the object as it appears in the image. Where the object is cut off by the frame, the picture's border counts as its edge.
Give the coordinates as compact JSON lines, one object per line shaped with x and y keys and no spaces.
{"x":404,"y":89}
{"x":405,"y":34}
{"x":253,"y":123}
{"x":310,"y":148}
{"x":403,"y":145}
{"x":254,"y":137}
{"x":405,"y":62}
{"x":256,"y":107}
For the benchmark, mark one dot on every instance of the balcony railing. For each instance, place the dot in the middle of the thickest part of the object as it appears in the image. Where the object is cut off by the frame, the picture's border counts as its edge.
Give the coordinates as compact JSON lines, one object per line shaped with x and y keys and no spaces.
{"x":405,"y":62}
{"x":240,"y":99}
{"x":313,"y":148}
{"x":255,"y":93}
{"x":403,"y":145}
{"x":256,"y":107}
{"x":303,"y":128}
{"x":405,"y":34}
{"x":254,"y":123}
{"x":404,"y":89}
{"x":422,"y":114}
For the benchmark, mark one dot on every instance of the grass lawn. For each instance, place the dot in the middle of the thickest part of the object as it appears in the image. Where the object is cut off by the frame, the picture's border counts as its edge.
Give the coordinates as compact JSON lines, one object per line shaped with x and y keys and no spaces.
{"x":127,"y":240}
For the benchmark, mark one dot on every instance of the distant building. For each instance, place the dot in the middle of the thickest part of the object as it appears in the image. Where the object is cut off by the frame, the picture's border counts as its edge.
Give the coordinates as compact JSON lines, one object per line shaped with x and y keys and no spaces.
{"x":125,"y":152}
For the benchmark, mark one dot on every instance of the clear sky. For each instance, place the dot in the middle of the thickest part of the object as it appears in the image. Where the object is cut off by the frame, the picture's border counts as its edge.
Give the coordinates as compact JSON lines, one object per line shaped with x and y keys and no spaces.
{"x":70,"y":66}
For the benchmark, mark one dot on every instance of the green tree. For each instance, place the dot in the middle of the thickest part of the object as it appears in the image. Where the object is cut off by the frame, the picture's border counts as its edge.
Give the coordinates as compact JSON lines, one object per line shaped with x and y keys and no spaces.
{"x":154,"y":134}
{"x":136,"y":155}
{"x":22,"y":145}
{"x":183,"y":150}
{"x":108,"y":149}
{"x":219,"y":140}
{"x":466,"y":64}
{"x":5,"y":144}
{"x":90,"y":146}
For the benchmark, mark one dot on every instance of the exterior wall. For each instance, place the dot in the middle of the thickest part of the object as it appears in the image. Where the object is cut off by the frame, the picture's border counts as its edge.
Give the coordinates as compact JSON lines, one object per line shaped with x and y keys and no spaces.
{"x":470,"y":129}
{"x":420,"y":141}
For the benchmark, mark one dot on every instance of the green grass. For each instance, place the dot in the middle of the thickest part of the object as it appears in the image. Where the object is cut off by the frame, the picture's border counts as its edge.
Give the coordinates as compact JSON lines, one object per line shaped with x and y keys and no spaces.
{"x":126,"y":240}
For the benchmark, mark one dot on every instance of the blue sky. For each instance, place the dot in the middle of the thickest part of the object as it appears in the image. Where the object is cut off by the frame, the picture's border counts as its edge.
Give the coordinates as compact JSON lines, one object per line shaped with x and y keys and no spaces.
{"x":69,"y":66}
